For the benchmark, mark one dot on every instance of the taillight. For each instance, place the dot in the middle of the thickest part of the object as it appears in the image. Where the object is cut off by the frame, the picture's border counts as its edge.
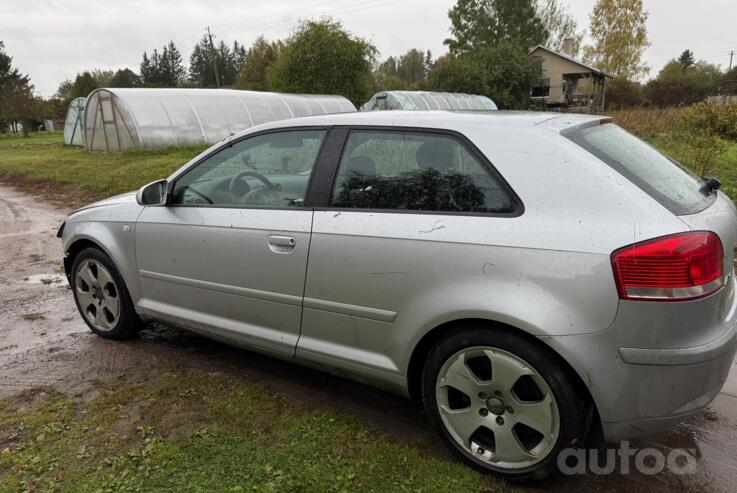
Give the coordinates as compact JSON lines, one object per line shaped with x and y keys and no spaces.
{"x":680,"y":267}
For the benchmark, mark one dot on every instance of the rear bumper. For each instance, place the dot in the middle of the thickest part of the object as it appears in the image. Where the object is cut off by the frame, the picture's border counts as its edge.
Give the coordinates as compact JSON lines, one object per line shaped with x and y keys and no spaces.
{"x":683,"y":356}
{"x":666,"y":395}
{"x":640,"y":390}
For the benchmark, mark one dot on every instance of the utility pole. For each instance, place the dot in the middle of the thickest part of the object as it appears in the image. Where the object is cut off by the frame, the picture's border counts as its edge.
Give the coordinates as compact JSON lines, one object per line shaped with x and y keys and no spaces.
{"x":731,"y":54}
{"x":214,"y":56}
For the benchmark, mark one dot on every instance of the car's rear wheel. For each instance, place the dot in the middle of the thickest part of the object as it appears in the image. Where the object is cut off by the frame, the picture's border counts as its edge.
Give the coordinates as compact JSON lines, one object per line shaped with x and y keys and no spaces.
{"x":502,"y":403}
{"x":102,"y":297}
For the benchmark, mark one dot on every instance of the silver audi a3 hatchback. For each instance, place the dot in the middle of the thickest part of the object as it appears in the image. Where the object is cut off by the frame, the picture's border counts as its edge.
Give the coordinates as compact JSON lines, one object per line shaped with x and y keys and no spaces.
{"x":533,"y":279}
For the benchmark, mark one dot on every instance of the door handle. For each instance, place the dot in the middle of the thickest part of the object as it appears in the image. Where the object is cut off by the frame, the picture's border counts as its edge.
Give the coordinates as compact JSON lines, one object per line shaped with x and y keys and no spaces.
{"x":282,"y":244}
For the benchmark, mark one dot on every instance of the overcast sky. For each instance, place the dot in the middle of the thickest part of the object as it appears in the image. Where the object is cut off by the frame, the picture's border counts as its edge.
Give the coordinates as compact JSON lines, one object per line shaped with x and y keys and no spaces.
{"x":52,"y":40}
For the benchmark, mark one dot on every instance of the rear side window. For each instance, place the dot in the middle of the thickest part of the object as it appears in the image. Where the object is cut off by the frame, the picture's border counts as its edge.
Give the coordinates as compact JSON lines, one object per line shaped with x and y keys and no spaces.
{"x":416,"y":171}
{"x":659,"y":176}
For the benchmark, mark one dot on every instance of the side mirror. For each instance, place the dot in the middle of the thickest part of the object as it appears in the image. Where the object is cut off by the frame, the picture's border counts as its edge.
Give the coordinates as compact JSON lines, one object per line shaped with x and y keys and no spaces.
{"x":155,"y":193}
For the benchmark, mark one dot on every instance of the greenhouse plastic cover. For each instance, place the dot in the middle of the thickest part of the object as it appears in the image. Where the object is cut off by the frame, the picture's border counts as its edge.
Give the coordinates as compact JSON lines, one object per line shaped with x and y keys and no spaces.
{"x":119,"y":119}
{"x":74,"y":124}
{"x":423,"y":100}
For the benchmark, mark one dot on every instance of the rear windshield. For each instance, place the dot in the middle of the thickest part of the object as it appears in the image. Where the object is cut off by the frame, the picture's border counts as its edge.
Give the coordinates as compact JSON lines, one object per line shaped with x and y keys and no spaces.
{"x":663,"y":179}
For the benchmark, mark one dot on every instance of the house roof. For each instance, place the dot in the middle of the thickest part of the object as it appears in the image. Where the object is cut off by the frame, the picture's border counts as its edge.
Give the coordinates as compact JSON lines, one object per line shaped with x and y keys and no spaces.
{"x":570,"y":59}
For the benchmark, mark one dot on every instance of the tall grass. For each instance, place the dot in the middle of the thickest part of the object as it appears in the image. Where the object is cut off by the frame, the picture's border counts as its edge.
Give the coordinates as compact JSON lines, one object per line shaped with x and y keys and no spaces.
{"x":696,"y":136}
{"x":648,"y":121}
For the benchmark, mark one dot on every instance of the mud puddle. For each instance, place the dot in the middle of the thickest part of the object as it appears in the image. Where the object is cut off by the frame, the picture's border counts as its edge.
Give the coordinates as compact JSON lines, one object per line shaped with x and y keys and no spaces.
{"x":47,"y":279}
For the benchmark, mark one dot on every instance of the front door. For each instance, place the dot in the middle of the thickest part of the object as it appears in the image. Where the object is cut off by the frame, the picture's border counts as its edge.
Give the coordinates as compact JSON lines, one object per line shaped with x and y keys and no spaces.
{"x":228,"y":255}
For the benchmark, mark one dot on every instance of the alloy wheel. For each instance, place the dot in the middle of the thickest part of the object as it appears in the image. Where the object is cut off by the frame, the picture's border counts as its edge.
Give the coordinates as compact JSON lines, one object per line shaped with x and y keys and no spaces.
{"x":97,"y":295}
{"x":497,"y":408}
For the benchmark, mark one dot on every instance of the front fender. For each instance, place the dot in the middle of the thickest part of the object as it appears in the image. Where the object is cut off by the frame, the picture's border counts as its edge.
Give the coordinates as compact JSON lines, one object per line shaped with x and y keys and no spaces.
{"x":112,"y":229}
{"x":116,"y":240}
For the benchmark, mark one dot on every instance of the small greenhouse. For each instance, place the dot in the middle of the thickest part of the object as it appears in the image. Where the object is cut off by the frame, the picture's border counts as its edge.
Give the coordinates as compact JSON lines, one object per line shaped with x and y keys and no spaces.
{"x":74,"y":124}
{"x":424,"y":100}
{"x":120,"y":119}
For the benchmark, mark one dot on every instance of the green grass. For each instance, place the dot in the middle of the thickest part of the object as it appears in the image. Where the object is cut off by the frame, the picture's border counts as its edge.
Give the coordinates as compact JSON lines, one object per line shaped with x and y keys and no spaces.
{"x":42,"y":156}
{"x":722,"y":153}
{"x":198,"y":432}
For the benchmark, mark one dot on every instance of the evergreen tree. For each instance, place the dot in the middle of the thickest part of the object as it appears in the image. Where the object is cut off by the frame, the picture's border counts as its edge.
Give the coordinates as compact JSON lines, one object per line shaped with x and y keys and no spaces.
{"x":686,"y":59}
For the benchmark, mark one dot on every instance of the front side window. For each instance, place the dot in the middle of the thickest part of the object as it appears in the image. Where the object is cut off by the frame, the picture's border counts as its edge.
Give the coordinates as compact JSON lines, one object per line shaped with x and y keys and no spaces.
{"x":269,"y":170}
{"x":415,"y":171}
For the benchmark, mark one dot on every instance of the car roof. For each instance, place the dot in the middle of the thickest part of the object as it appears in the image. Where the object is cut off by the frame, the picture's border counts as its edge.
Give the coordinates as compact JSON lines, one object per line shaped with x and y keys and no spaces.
{"x":445,"y":119}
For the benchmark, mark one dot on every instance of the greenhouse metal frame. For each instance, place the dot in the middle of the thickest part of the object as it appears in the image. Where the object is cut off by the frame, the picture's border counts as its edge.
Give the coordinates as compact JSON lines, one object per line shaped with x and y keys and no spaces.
{"x":120,"y":119}
{"x":74,"y":134}
{"x":425,"y":100}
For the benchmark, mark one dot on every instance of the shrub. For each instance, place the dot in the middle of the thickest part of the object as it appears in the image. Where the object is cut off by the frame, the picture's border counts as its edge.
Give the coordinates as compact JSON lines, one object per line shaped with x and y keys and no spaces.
{"x":721,"y":120}
{"x":623,"y":93}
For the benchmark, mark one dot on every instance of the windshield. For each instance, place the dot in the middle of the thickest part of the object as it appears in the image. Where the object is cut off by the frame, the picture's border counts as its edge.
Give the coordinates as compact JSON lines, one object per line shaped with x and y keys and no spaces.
{"x":656,"y":174}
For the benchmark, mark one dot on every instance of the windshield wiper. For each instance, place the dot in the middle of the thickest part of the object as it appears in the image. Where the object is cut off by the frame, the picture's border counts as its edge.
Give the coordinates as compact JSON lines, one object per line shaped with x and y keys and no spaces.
{"x":711,"y":184}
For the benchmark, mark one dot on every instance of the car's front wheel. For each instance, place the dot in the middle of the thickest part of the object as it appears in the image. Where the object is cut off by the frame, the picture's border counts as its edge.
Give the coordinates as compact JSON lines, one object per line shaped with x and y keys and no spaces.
{"x":102,"y":297}
{"x":502,"y":403}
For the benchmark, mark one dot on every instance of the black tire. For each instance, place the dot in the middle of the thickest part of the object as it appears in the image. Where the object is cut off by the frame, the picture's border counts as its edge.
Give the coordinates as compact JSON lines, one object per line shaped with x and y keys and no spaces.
{"x":573,"y":411}
{"x":127,"y":325}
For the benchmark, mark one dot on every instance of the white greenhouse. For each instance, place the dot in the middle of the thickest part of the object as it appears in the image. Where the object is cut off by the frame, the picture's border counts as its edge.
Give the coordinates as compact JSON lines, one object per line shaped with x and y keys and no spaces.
{"x":424,"y":100}
{"x":120,"y":119}
{"x":74,"y":124}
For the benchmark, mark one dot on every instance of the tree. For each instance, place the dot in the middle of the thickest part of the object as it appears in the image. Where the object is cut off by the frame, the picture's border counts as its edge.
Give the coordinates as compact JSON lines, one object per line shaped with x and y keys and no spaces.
{"x":163,"y":69}
{"x":255,"y":64}
{"x":487,"y":23}
{"x":407,"y":72}
{"x":620,"y":38}
{"x":200,"y":64}
{"x":17,"y":103}
{"x":505,"y":73}
{"x":686,"y":59}
{"x":411,"y":68}
{"x":86,"y":82}
{"x":172,"y":69}
{"x":560,"y":26}
{"x":428,"y":62}
{"x":8,"y":73}
{"x":386,"y":77}
{"x":83,"y":85}
{"x":623,"y":93}
{"x":229,"y":61}
{"x":151,"y":69}
{"x":16,"y":93}
{"x":102,"y":77}
{"x":728,"y":84}
{"x":321,"y":57}
{"x":679,"y":85}
{"x":125,"y":78}
{"x":64,"y":91}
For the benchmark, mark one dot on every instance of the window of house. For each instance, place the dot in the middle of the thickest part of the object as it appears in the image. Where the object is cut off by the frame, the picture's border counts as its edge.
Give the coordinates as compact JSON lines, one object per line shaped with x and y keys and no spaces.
{"x":542,"y":90}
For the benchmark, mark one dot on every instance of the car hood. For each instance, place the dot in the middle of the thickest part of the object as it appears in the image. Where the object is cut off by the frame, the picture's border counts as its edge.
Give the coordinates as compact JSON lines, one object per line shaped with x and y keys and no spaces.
{"x":123,"y":198}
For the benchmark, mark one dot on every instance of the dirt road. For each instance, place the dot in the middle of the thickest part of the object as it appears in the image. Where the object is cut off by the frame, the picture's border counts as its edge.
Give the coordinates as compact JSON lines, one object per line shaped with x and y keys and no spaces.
{"x":44,"y":342}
